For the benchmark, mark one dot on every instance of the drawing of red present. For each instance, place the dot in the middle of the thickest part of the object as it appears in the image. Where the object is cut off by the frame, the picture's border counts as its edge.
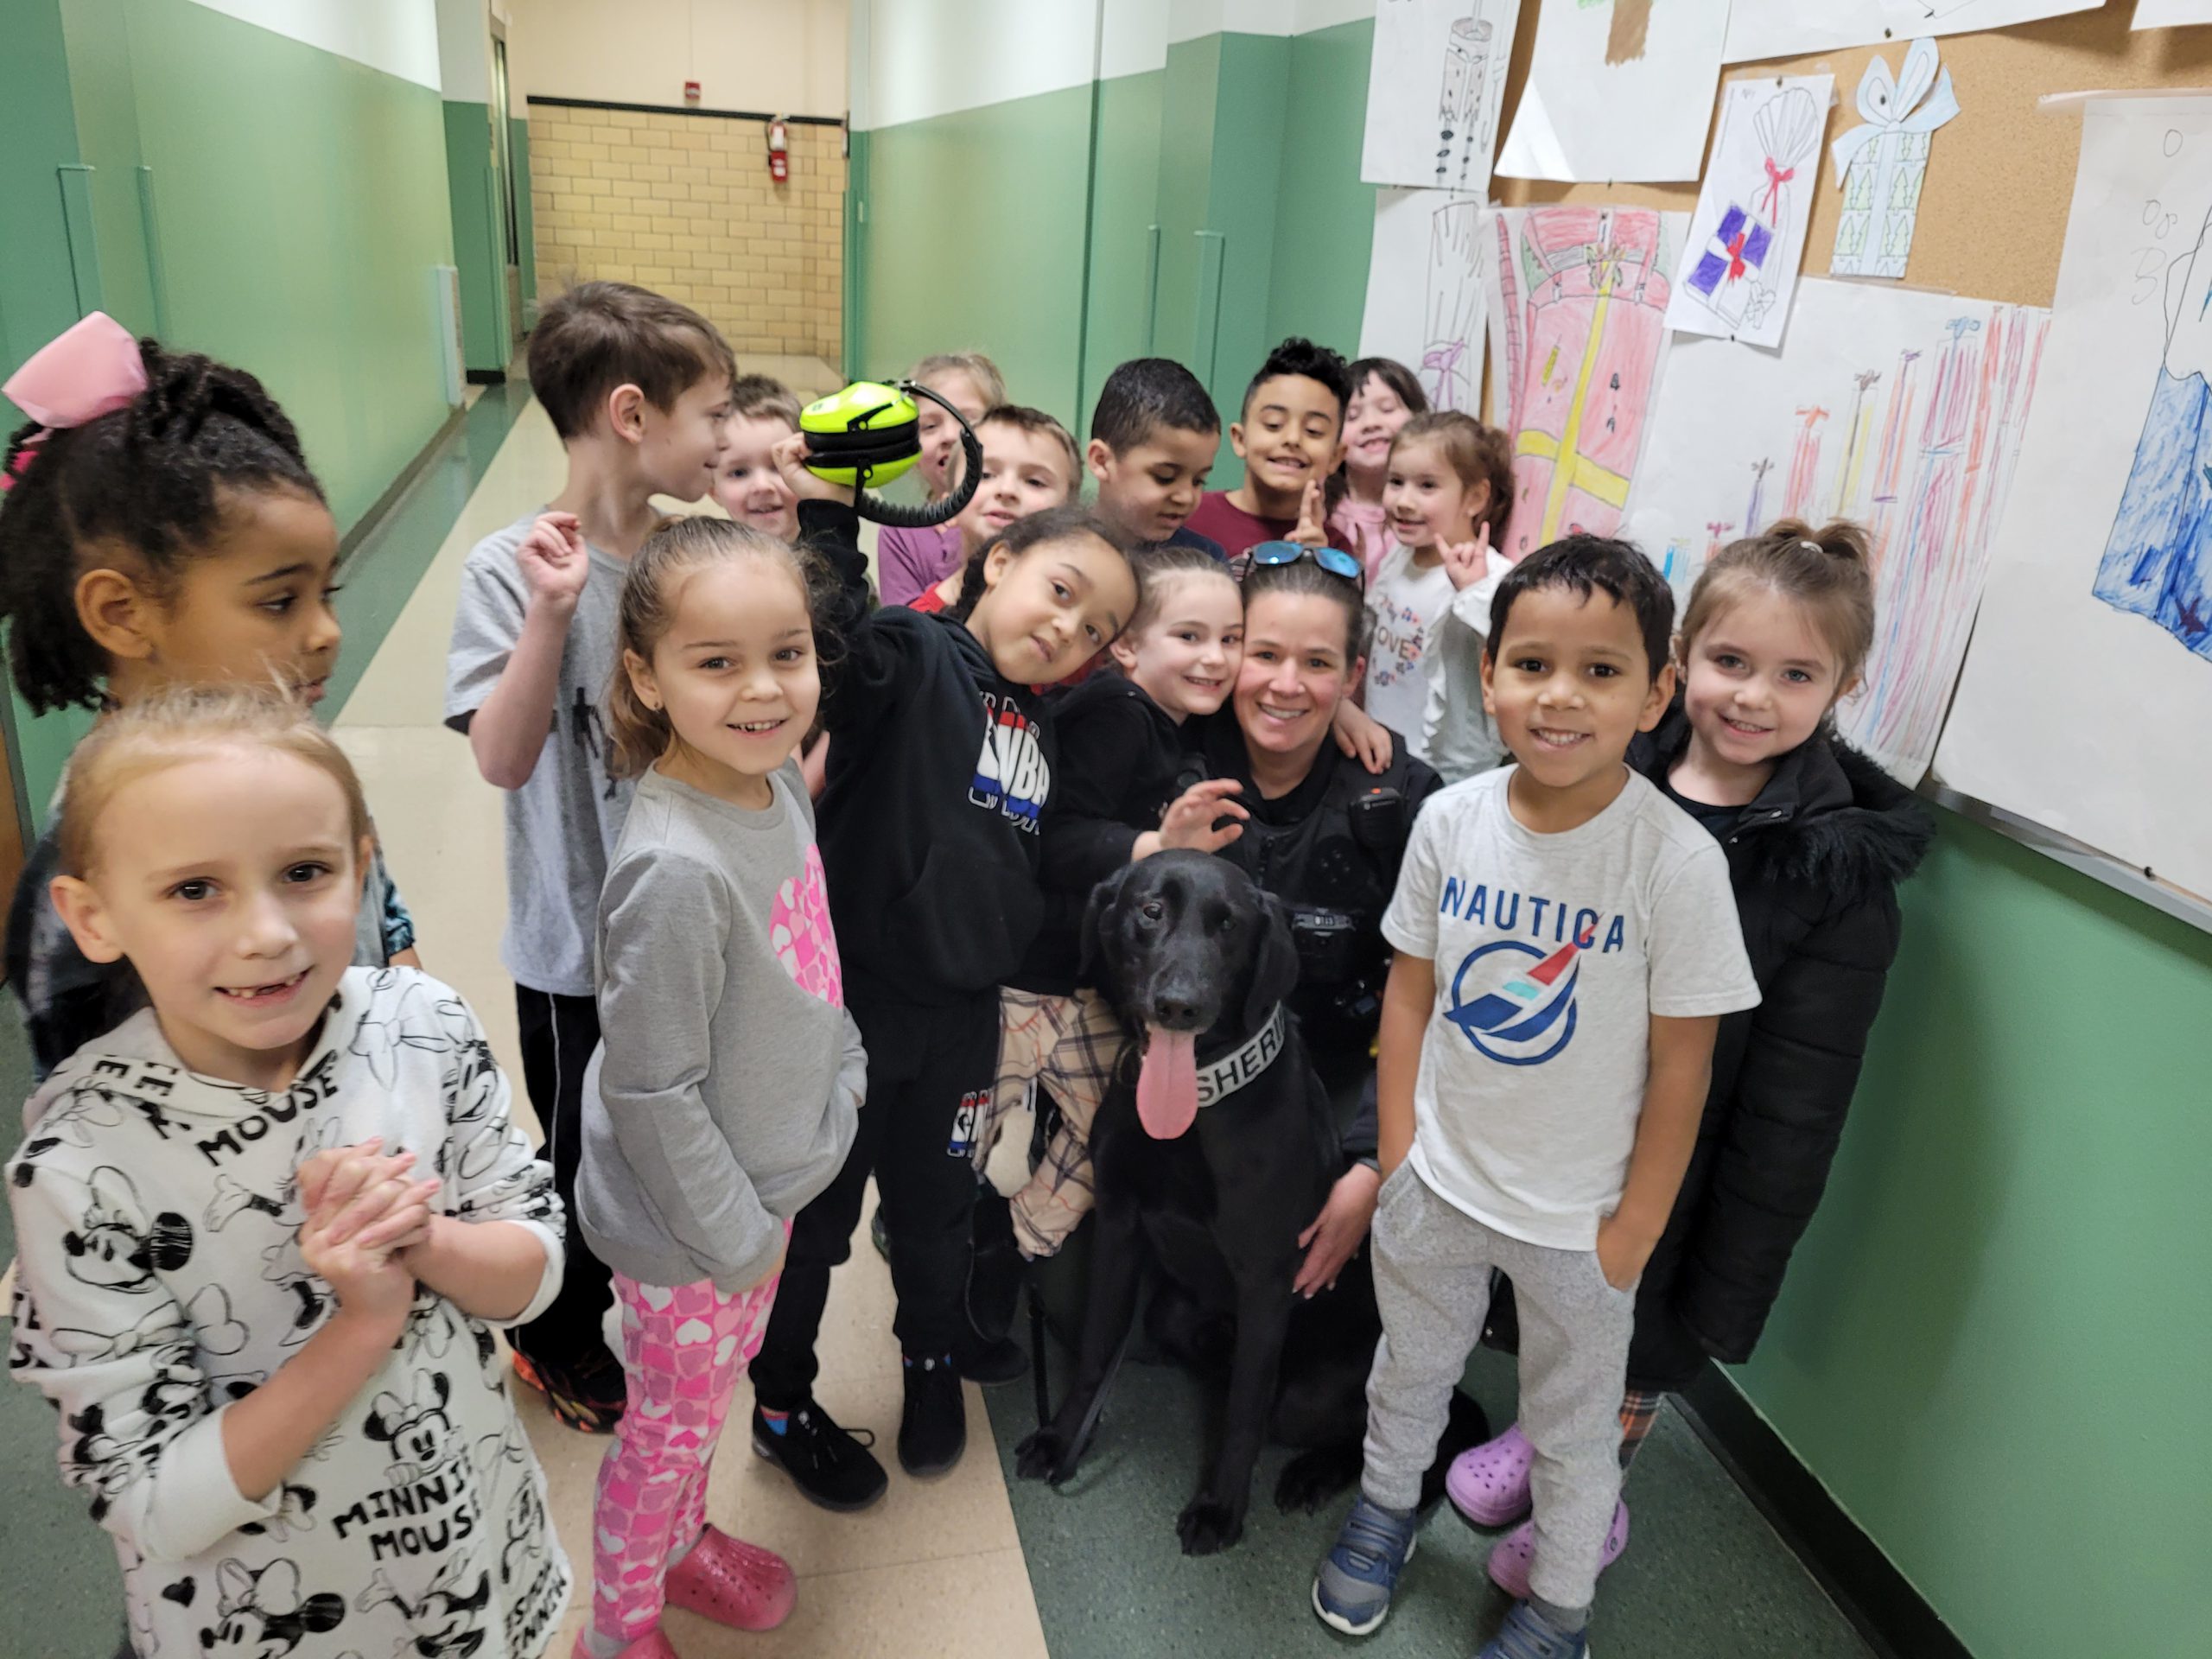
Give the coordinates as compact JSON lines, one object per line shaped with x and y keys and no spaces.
{"x":1727,"y":273}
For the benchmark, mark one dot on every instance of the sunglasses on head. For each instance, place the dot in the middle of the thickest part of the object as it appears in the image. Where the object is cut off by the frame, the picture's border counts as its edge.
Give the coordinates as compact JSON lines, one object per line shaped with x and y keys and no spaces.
{"x":1334,"y":560}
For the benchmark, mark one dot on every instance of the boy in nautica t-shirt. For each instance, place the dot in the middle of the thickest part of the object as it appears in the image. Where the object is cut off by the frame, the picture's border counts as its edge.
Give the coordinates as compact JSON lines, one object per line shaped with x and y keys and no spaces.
{"x":1566,"y":941}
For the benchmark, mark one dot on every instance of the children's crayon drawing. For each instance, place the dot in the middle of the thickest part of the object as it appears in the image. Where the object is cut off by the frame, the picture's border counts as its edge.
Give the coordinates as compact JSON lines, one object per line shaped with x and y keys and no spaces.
{"x":1425,"y":291}
{"x":1747,"y":237}
{"x":1577,"y":323}
{"x":1882,"y":163}
{"x":1436,"y":77}
{"x":1902,"y":410}
{"x":2106,"y":544}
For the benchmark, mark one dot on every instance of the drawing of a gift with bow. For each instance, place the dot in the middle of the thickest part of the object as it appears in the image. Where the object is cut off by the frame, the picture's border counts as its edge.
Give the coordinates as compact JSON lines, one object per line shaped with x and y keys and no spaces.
{"x":1883,"y":164}
{"x":1732,"y":273}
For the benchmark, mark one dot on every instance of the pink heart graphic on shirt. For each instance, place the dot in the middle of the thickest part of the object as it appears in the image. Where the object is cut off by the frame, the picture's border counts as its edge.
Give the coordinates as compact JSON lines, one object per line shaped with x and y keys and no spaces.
{"x":800,"y":934}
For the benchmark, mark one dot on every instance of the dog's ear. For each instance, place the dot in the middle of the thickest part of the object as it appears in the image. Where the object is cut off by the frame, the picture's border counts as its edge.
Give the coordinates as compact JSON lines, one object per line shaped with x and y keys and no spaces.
{"x":1094,"y":966}
{"x":1275,"y":962}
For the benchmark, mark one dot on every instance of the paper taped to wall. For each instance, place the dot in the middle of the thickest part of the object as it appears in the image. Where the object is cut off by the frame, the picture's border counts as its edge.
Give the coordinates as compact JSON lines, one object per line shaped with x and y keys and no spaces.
{"x":2107,"y":540}
{"x":1882,"y":163}
{"x":1436,"y":78}
{"x":1617,"y":90}
{"x":1425,"y":291}
{"x":1900,"y":409}
{"x":1789,"y":28}
{"x":1747,"y":237}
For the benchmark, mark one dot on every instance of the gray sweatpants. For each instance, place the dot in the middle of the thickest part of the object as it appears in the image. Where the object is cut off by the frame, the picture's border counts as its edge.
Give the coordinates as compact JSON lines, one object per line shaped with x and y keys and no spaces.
{"x":1432,"y":1277}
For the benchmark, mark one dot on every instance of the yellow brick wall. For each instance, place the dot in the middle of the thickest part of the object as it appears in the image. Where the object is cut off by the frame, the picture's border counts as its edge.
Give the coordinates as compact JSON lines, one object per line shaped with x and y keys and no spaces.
{"x":682,"y":204}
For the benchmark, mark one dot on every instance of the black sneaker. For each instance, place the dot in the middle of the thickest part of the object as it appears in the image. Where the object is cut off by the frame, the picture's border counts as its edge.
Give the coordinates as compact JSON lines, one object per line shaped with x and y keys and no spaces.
{"x":933,"y":1430}
{"x":833,"y":1466}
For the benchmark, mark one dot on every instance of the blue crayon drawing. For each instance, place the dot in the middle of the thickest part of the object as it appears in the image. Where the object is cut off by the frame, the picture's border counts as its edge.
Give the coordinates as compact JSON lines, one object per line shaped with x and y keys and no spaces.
{"x":2158,"y":562}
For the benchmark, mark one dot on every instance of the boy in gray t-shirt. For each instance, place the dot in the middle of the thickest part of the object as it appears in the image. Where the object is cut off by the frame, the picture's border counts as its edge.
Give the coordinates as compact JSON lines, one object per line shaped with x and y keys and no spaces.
{"x":636,"y":387}
{"x":1566,"y":941}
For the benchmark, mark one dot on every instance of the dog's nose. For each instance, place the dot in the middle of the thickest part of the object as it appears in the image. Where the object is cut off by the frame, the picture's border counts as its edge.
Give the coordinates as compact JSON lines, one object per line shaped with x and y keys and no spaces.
{"x":1176,"y":1012}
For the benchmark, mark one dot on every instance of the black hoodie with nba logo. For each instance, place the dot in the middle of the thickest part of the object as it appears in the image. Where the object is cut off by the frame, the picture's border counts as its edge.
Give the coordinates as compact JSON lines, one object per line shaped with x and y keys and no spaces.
{"x":940,"y":771}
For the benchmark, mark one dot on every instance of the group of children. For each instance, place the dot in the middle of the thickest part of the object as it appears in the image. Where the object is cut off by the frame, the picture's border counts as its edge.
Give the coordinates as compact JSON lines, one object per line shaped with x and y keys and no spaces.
{"x":270,"y":1205}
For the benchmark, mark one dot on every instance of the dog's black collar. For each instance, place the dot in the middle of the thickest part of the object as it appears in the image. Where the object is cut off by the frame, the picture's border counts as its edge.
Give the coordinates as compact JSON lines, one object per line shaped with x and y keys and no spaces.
{"x":1218,"y":1079}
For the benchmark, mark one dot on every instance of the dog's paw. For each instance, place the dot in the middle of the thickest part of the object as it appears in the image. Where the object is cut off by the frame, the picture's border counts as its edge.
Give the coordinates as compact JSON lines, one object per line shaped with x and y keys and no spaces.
{"x":1208,"y":1527}
{"x":1042,"y":1455}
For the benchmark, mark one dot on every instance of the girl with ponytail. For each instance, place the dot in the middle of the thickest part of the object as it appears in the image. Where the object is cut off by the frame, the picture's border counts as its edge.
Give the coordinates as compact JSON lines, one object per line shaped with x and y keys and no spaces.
{"x":160,"y":529}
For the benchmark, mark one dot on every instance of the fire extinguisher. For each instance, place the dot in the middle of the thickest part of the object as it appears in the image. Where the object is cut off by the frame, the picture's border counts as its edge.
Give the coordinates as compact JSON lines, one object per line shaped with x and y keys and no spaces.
{"x":780,"y":159}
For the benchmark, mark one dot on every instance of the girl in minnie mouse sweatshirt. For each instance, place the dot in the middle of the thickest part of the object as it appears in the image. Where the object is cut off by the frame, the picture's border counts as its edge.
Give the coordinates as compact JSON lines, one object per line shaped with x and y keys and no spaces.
{"x":267,"y":1222}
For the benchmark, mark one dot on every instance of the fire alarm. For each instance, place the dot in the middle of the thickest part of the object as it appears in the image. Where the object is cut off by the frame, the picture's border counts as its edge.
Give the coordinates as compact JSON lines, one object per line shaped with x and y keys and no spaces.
{"x":690,"y":92}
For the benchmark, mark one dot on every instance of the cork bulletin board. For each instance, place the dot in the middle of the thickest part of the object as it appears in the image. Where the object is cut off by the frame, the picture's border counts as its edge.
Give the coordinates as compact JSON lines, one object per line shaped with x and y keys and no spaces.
{"x":1993,"y":215}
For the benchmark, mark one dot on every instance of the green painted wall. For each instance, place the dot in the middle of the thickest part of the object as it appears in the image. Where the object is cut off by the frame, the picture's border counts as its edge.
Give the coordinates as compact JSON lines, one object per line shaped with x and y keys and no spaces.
{"x":1191,"y":98}
{"x":971,"y":236}
{"x":1993,"y":1344}
{"x":1124,"y":231}
{"x":298,"y":202}
{"x":109,"y":140}
{"x":1325,"y":217}
{"x":525,"y":222}
{"x":38,"y":133}
{"x":479,"y":237}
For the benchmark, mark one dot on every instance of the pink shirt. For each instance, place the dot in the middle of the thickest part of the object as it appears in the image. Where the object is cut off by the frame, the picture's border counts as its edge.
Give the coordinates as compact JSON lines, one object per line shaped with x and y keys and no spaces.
{"x":1357,"y":527}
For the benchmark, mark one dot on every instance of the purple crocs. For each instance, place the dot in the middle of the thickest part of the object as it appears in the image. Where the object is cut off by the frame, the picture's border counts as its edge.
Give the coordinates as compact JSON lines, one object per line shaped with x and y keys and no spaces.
{"x":1489,"y":1485}
{"x":1509,"y":1561}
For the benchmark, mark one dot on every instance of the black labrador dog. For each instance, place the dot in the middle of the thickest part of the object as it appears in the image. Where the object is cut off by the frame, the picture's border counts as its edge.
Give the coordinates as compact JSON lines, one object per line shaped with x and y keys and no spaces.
{"x":1213,"y":1159}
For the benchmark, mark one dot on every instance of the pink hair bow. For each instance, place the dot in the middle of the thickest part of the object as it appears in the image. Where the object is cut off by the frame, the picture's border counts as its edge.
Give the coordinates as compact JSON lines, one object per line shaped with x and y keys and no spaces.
{"x":90,"y":369}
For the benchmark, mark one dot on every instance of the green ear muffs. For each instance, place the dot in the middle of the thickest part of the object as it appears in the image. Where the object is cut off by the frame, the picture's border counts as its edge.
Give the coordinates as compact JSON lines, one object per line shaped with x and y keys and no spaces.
{"x":869,"y":433}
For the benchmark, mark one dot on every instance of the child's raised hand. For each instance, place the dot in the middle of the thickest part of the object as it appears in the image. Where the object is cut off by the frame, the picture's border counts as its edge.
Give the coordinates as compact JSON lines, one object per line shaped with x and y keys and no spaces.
{"x":553,"y":559}
{"x":789,"y":456}
{"x":1312,"y":529}
{"x":1203,"y":818}
{"x":1467,"y":563}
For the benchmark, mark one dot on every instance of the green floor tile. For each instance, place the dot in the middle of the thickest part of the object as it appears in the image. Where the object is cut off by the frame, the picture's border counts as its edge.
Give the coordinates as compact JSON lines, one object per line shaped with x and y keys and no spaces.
{"x":1704,"y":1575}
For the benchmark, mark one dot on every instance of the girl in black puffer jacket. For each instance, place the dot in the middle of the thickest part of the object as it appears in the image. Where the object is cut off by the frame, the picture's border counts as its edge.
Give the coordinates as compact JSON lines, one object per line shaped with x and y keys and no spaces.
{"x":1818,"y":837}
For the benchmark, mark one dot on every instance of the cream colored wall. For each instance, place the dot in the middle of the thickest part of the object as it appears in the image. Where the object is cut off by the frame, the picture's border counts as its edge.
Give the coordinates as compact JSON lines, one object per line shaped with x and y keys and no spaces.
{"x":781,"y":56}
{"x":682,"y":204}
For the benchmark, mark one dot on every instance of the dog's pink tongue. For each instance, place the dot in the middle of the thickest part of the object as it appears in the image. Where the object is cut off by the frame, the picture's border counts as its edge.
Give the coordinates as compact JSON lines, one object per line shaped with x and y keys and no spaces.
{"x":1167,"y":1084}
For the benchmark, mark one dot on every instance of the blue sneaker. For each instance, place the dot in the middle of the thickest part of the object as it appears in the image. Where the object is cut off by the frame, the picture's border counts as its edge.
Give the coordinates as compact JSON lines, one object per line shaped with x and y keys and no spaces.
{"x":1528,"y":1635}
{"x":1351,"y":1593}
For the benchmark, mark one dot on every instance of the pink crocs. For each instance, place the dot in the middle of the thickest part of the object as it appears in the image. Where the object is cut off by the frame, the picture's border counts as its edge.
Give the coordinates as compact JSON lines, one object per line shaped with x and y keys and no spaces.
{"x":732,"y":1583}
{"x":1509,"y":1561}
{"x":1489,"y":1485}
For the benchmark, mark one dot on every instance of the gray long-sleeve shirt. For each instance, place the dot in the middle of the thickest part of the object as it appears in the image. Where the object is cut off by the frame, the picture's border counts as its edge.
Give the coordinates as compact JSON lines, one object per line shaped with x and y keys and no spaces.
{"x":724,"y":1091}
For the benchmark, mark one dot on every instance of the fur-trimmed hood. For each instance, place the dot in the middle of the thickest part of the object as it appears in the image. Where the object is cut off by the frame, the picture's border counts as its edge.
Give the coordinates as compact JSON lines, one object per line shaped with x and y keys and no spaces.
{"x":1829,"y":817}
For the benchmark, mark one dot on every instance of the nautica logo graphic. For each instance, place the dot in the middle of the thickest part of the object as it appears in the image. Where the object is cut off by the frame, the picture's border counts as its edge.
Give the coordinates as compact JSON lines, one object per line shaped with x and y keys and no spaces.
{"x":1515,"y":1013}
